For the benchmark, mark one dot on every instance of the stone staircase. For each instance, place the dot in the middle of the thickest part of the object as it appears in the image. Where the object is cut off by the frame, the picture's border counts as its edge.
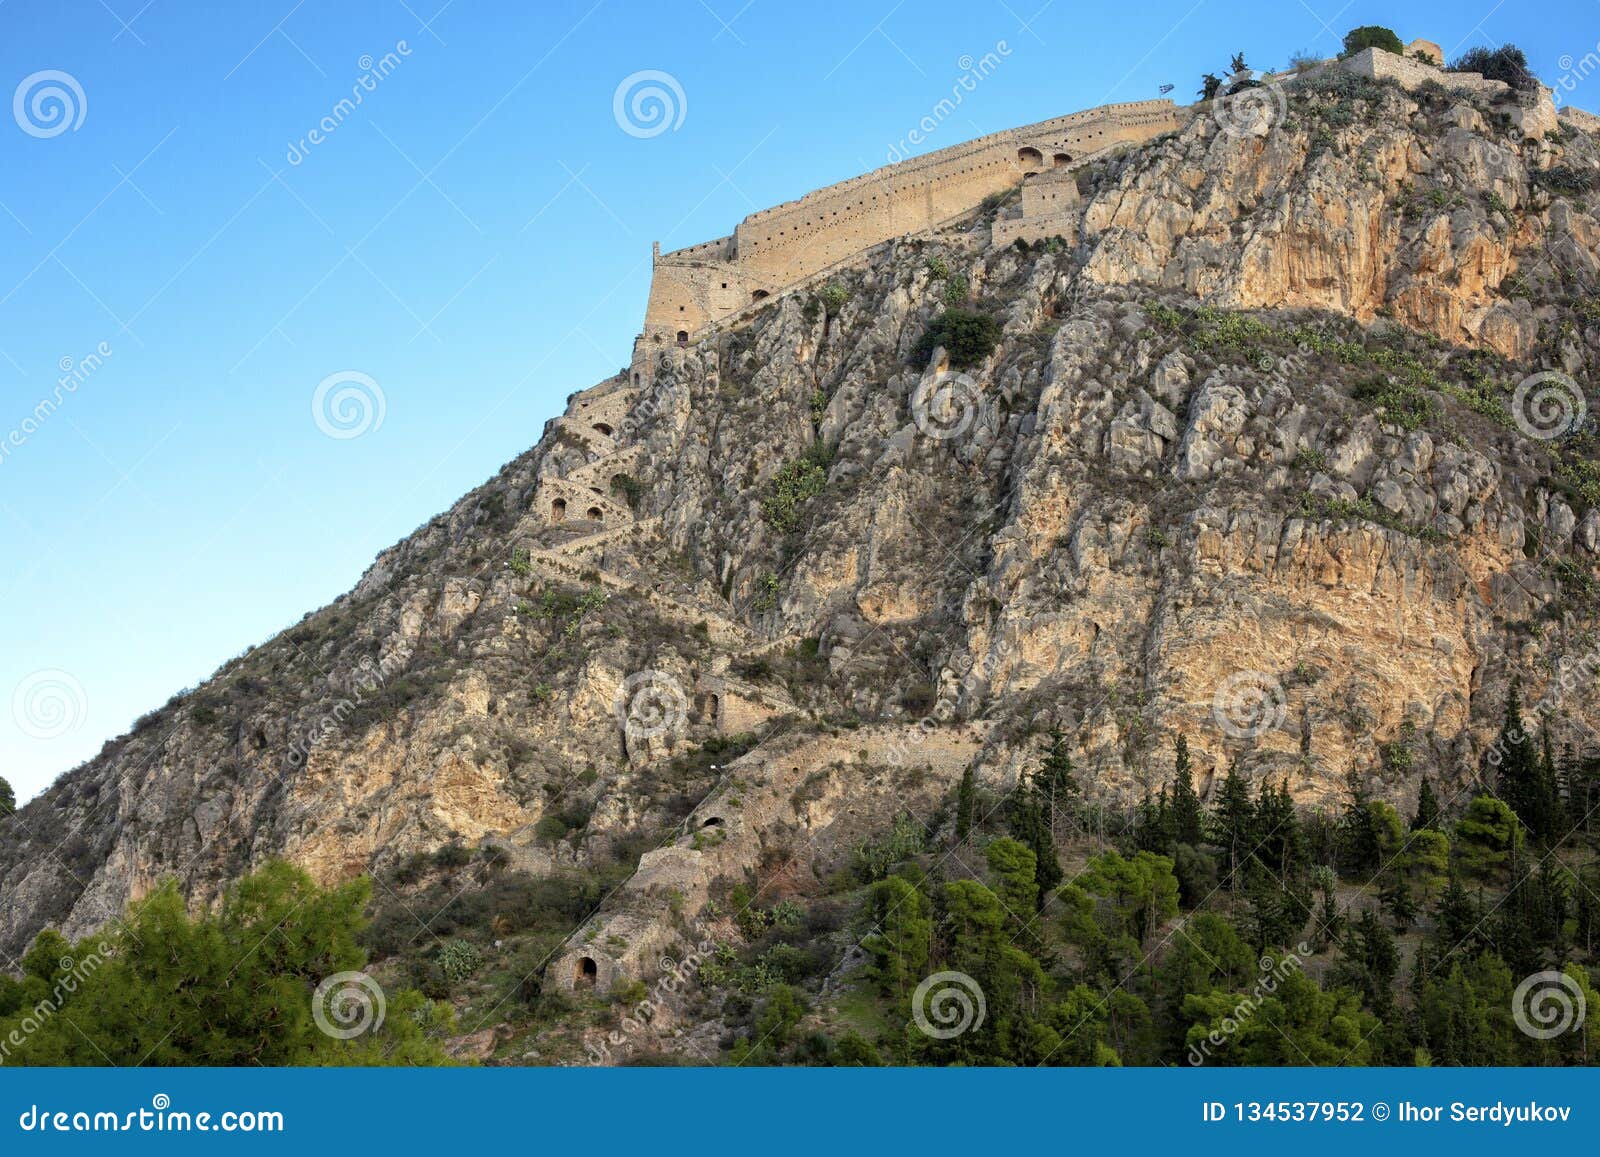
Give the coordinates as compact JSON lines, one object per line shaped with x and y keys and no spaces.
{"x":587,"y":488}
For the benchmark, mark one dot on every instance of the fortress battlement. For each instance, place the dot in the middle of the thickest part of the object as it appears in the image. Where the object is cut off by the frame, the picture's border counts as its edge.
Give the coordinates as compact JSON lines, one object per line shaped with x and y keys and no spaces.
{"x":777,"y":248}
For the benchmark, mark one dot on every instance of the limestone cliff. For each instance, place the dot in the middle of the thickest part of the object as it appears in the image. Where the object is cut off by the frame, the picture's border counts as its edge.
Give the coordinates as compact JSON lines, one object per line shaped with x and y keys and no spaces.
{"x":1252,"y":461}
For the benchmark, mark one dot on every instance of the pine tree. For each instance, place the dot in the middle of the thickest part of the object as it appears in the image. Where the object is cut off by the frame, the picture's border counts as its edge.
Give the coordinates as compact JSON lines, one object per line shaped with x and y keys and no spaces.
{"x":1060,"y":786}
{"x":1370,"y":961}
{"x":1360,"y":851}
{"x":1234,"y":819}
{"x":1188,"y":819}
{"x":1457,"y":916}
{"x":1547,"y":792}
{"x":1527,"y":774}
{"x":1397,"y":900}
{"x":1277,"y":826}
{"x":1029,"y":823}
{"x":1427,"y":817}
{"x":8,"y":798}
{"x":966,"y":804}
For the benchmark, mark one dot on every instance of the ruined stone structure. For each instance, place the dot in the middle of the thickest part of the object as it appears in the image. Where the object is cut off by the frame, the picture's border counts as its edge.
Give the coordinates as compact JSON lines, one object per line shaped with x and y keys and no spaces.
{"x":779,"y":248}
{"x":1420,"y":48}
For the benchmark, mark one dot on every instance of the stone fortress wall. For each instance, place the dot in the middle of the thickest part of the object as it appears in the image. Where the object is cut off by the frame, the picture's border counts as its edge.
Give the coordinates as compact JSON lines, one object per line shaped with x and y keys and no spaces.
{"x":778,"y":248}
{"x":786,"y":246}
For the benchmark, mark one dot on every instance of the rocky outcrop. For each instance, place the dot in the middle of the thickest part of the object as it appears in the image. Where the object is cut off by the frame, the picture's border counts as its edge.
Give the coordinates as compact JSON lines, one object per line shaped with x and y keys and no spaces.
{"x":1245,"y":465}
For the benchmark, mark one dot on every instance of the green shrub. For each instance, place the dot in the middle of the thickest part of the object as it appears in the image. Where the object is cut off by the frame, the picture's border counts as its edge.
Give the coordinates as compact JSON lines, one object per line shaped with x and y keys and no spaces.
{"x":833,"y":297}
{"x":459,"y":959}
{"x":1505,"y":63}
{"x":968,"y":337}
{"x":1372,"y":36}
{"x":793,"y":486}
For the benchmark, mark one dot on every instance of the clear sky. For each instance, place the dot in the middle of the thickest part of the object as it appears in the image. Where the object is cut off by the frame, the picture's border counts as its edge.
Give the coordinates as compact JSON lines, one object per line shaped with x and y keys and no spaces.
{"x":468,"y":243}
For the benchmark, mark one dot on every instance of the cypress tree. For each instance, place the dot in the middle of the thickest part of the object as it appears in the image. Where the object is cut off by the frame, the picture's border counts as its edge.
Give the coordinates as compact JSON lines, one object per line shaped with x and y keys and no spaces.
{"x":966,"y":804}
{"x":1234,"y":818}
{"x":1360,"y":853}
{"x":1030,"y":824}
{"x":1427,"y":817}
{"x":1188,"y":825}
{"x":1457,"y":915}
{"x":1060,"y":786}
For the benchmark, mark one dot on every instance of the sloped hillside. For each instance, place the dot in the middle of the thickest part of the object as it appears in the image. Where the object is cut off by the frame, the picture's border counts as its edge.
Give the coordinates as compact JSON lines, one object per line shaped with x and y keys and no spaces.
{"x":1248,"y":462}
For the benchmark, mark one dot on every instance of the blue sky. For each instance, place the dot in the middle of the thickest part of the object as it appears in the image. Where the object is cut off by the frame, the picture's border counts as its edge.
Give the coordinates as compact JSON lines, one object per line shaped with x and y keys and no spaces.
{"x":471,"y":242}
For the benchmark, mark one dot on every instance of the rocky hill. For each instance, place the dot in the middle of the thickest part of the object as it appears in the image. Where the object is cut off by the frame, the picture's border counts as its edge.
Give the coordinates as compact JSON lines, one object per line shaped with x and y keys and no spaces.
{"x":1254,"y":458}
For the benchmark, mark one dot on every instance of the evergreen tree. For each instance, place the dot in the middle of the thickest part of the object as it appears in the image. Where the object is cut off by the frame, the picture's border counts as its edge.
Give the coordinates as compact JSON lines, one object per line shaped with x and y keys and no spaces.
{"x":1360,"y":847}
{"x":1526,"y":777}
{"x":1397,"y":900}
{"x":1030,"y":824}
{"x":1278,"y":911}
{"x":1457,"y":917}
{"x":8,"y":798}
{"x":1149,"y":822}
{"x":1427,"y":817}
{"x":1277,"y":824}
{"x":1370,"y":961}
{"x":1234,"y":821}
{"x":235,"y":986}
{"x":1012,"y":866}
{"x":1188,"y":819}
{"x":1059,"y":785}
{"x":902,"y":934}
{"x":966,"y":803}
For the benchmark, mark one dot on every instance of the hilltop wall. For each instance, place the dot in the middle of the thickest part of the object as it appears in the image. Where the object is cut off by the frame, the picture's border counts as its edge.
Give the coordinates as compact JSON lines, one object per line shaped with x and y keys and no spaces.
{"x":775,"y":249}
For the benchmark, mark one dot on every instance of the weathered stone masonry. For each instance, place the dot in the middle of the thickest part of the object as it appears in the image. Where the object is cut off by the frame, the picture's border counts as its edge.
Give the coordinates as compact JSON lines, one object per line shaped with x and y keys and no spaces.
{"x":778,"y":248}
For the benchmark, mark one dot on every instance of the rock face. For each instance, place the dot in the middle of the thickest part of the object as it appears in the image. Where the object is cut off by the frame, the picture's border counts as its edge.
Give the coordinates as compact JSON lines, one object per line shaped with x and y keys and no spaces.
{"x":1249,"y":463}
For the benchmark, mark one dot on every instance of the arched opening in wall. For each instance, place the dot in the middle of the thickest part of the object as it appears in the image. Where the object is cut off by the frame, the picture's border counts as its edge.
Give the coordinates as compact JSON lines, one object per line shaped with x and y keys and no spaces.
{"x":603,"y":428}
{"x":1028,"y":155}
{"x":683,"y":337}
{"x":585,"y":973}
{"x":636,"y":377}
{"x":558,"y":510}
{"x":594,"y":514}
{"x":760,"y":295}
{"x":712,"y":822}
{"x":1062,"y":159}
